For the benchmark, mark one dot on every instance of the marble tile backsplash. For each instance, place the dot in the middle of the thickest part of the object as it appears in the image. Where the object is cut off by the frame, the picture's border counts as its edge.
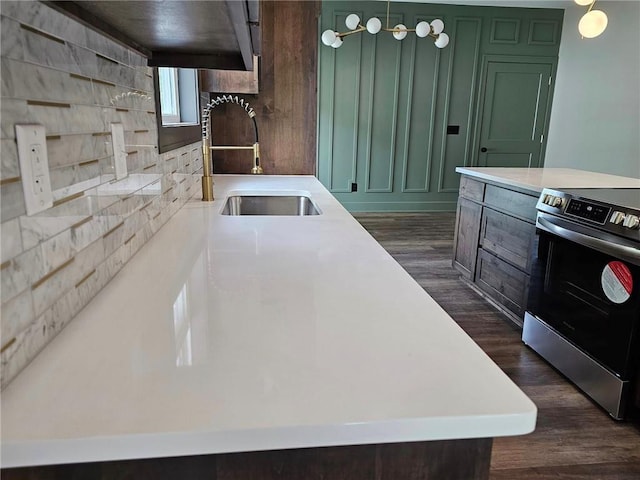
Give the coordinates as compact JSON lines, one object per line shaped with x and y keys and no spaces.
{"x":75,"y":82}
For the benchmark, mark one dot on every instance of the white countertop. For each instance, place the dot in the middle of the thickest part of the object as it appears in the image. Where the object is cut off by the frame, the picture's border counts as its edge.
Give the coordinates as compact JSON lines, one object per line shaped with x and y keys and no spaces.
{"x":538,"y":178}
{"x":250,"y":333}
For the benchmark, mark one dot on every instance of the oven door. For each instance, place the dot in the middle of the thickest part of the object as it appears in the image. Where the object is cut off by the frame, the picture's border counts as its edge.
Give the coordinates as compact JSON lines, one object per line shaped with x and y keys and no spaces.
{"x":588,"y":290}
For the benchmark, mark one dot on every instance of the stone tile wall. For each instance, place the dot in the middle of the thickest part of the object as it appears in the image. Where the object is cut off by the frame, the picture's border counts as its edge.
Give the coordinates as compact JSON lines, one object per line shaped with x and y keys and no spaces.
{"x":75,"y":82}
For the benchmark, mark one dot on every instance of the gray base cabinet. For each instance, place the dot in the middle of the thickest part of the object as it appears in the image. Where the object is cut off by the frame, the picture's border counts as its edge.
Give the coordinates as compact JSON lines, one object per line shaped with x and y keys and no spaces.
{"x":494,"y":237}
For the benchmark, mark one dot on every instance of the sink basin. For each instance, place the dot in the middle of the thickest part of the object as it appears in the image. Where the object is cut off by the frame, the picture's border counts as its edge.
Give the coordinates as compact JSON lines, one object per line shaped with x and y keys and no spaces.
{"x":293,"y":205}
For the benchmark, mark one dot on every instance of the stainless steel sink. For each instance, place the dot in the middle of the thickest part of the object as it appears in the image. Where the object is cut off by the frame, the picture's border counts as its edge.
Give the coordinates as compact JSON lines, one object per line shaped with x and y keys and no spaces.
{"x":293,"y":205}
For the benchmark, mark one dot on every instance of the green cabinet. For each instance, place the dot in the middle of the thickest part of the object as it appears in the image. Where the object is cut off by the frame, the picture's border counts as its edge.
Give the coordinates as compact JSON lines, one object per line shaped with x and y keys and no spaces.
{"x":395,"y":118}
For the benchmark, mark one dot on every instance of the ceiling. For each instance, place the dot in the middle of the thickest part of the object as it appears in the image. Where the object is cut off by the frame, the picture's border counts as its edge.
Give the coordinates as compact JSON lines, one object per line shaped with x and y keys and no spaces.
{"x":184,"y":33}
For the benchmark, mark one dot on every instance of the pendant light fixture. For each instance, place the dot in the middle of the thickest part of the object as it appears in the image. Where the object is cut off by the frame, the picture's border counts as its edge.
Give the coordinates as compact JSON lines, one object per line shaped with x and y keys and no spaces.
{"x":592,"y":23}
{"x":435,"y":30}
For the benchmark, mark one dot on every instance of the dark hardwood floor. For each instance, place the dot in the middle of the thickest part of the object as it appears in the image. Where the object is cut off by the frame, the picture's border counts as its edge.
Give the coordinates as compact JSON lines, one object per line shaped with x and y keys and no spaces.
{"x":574,"y":438}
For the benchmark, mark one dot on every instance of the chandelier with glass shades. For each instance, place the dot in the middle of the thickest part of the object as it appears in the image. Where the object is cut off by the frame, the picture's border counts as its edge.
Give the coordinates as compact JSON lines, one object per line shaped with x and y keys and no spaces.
{"x":435,"y":30}
{"x":592,"y":23}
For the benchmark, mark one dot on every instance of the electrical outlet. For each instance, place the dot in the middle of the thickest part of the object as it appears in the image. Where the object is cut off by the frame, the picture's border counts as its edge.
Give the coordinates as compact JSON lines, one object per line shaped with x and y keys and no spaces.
{"x":119,"y":152}
{"x":34,"y":167}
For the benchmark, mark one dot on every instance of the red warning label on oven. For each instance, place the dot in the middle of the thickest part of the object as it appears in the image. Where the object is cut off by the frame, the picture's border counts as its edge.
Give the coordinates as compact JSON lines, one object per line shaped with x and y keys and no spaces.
{"x":617,"y":282}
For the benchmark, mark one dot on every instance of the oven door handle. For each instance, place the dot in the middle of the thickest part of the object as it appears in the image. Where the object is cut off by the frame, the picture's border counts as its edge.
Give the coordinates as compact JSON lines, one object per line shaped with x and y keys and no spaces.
{"x":622,"y":252}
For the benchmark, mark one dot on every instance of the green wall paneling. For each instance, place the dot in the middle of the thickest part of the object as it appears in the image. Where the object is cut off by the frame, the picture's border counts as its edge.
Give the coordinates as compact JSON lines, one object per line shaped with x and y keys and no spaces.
{"x":420,"y":119}
{"x":384,"y":105}
{"x":460,"y":99}
{"x":382,"y":118}
{"x":340,"y":118}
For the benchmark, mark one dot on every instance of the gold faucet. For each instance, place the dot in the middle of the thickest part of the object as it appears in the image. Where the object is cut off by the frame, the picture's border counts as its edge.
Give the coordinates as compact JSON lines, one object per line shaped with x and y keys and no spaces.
{"x":207,"y":173}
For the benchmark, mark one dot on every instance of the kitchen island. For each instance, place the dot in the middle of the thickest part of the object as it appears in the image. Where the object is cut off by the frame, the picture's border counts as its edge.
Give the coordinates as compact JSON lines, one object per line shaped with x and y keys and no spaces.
{"x":287,"y":344}
{"x":495,"y":226}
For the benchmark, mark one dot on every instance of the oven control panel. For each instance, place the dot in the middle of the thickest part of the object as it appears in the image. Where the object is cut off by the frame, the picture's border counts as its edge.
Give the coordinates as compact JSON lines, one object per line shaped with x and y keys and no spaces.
{"x":609,"y":217}
{"x":588,"y":211}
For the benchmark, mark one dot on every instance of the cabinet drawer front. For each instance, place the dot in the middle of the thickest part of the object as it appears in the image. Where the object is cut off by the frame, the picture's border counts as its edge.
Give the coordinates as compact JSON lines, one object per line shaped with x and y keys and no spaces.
{"x":465,"y":243}
{"x":502,"y":282}
{"x":507,"y":237}
{"x":519,"y":204}
{"x":471,"y":189}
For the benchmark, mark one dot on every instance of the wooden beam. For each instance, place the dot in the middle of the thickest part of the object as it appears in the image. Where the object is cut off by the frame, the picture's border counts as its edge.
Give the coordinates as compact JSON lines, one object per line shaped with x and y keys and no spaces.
{"x":256,"y":38}
{"x":254,"y":25}
{"x":187,"y":60}
{"x":240,"y":20}
{"x":230,"y":81}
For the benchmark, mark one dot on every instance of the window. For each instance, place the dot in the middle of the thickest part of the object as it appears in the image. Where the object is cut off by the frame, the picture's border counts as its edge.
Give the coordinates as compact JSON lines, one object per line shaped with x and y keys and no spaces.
{"x":177,"y":107}
{"x":178,"y":96}
{"x":169,"y":98}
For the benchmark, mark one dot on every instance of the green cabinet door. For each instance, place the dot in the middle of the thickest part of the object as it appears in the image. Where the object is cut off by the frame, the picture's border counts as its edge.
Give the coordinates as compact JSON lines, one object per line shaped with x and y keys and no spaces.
{"x":514,"y":110}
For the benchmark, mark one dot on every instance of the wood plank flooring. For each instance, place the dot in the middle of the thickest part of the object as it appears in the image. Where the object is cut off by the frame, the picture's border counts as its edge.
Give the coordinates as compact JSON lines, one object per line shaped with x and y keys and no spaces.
{"x":574,"y":438}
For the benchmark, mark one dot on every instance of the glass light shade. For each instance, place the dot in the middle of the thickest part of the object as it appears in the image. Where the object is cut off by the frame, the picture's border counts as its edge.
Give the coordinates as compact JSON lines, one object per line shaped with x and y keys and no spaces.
{"x":374,"y":25}
{"x":437,"y":26}
{"x":352,"y":21}
{"x":442,"y":40}
{"x":328,"y":37}
{"x":593,"y":23}
{"x":423,"y":29}
{"x":400,"y":35}
{"x":337,"y":43}
{"x":584,"y":3}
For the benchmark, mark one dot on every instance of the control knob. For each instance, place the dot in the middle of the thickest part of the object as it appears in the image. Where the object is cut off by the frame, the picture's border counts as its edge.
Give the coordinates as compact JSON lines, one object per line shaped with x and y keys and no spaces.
{"x":631,"y":221}
{"x":554,"y":201}
{"x":617,"y":218}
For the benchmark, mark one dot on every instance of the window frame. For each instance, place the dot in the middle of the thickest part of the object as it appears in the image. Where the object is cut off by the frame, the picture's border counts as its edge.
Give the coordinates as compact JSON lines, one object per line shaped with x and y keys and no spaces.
{"x":172,"y":118}
{"x":171,"y":137}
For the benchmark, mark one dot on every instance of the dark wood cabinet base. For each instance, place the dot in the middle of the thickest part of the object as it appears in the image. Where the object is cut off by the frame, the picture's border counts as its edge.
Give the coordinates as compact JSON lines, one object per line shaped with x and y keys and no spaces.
{"x":441,"y":460}
{"x":516,"y":321}
{"x":495,"y":234}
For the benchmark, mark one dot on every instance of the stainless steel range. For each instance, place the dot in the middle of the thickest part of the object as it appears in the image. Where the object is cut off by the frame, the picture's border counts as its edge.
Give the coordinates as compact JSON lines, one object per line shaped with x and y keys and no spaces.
{"x":583,"y":311}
